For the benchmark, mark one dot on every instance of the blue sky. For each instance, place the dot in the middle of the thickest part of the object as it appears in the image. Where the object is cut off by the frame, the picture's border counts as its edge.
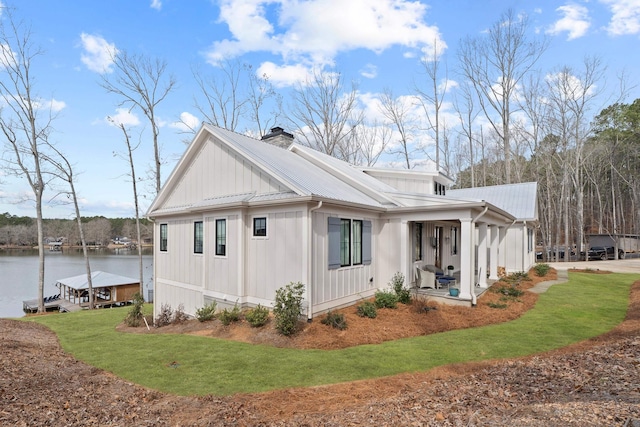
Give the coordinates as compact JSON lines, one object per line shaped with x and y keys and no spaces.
{"x":376,"y":43}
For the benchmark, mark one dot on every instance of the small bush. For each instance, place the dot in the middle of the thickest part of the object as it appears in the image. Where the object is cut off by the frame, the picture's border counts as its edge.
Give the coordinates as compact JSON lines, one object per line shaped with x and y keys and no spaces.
{"x":230,"y":315}
{"x":516,"y":277}
{"x":421,"y":305}
{"x":165,"y":316}
{"x":498,"y":305}
{"x":179,"y":316}
{"x":367,"y":309}
{"x":386,"y":299}
{"x":257,"y":316}
{"x":335,"y":320}
{"x":397,"y":284}
{"x":208,"y":312}
{"x":288,"y":307}
{"x":541,"y":269}
{"x":134,"y":316}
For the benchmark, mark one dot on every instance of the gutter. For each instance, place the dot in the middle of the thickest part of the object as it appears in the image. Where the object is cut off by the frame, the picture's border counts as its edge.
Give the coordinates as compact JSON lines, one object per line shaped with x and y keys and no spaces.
{"x":310,"y":247}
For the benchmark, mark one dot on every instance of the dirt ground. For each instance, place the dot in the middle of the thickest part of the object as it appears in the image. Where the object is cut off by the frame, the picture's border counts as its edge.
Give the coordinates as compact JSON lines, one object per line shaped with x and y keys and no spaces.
{"x":596,"y":382}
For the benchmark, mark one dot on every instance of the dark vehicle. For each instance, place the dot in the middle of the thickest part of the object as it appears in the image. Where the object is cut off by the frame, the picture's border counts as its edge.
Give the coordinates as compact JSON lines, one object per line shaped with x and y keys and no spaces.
{"x":603,"y":252}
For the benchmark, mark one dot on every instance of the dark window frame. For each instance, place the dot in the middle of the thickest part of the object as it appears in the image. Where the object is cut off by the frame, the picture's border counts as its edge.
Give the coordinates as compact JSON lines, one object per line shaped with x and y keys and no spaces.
{"x":356,"y":238}
{"x":164,"y":237}
{"x":454,"y":240}
{"x":221,"y":237}
{"x":198,"y":237}
{"x":260,"y":230}
{"x":419,"y":233}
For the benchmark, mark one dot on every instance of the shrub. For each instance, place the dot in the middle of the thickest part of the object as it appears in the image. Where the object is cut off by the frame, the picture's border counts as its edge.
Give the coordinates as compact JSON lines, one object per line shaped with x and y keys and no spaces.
{"x":497,"y":305}
{"x":516,"y":277}
{"x":335,"y":320}
{"x":397,"y":284}
{"x":386,"y":299}
{"x":179,"y":315}
{"x":134,"y":316}
{"x":165,"y":316}
{"x":208,"y":312}
{"x":288,"y":307}
{"x":257,"y":316}
{"x":230,"y":315}
{"x":541,"y":269}
{"x":421,"y":305}
{"x":367,"y":309}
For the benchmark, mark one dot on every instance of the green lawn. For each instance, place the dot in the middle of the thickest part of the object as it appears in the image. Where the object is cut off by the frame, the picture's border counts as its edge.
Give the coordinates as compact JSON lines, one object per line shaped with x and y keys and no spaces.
{"x":586,"y":306}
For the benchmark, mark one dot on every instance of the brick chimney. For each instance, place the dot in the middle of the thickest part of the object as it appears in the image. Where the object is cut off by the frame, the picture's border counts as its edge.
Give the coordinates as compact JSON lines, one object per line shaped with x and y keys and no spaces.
{"x":278,"y":137}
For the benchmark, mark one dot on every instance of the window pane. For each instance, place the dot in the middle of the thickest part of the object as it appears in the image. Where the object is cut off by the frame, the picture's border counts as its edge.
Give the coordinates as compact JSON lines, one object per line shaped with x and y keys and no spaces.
{"x":418,"y":242}
{"x":259,"y":227}
{"x":221,"y":237}
{"x":163,"y":237}
{"x":454,"y":240}
{"x":198,"y":237}
{"x":357,"y":242}
{"x":345,"y":242}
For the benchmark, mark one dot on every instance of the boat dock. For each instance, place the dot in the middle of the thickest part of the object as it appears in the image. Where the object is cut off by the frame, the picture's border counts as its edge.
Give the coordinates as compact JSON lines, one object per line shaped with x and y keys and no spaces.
{"x":52,"y":303}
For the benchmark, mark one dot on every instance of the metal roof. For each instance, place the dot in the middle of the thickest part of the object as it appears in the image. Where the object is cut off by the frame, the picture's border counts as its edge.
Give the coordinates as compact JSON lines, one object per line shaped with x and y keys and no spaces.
{"x":99,"y":279}
{"x":520,"y":200}
{"x":293,"y":170}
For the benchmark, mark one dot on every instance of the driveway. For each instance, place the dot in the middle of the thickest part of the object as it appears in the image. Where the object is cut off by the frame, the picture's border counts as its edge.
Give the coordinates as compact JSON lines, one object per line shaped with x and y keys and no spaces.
{"x":617,"y":266}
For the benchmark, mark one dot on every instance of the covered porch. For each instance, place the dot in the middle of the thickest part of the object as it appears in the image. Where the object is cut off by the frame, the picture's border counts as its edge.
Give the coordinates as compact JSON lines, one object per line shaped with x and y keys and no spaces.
{"x":463,"y":240}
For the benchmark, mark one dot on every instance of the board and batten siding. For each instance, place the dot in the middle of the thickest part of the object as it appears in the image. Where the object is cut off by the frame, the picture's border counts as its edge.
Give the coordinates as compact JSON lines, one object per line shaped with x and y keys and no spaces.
{"x":275,"y":260}
{"x":222,"y":271}
{"x":343,"y":285}
{"x":232,"y":174}
{"x":179,"y":263}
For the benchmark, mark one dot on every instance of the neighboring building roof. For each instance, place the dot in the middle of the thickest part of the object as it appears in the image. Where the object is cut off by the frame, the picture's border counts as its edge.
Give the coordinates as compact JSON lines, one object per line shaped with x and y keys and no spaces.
{"x":99,"y":279}
{"x":520,"y":200}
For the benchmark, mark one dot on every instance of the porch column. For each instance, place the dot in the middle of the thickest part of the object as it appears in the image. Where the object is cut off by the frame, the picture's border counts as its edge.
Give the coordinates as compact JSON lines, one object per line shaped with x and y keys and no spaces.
{"x":502,"y":249}
{"x":493,"y":268}
{"x":482,"y":255}
{"x":467,"y":249}
{"x":405,"y":251}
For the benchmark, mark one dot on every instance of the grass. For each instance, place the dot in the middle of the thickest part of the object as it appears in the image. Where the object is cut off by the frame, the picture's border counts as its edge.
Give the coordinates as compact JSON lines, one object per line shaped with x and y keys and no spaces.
{"x":586,"y":306}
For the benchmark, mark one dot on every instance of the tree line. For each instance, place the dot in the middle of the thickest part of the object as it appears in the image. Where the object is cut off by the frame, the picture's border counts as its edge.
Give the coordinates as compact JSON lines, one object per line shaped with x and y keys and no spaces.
{"x":21,"y":231}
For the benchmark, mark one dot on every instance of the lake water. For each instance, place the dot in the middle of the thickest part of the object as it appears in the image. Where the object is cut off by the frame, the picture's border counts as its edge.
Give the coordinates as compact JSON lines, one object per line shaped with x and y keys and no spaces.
{"x":19,"y":272}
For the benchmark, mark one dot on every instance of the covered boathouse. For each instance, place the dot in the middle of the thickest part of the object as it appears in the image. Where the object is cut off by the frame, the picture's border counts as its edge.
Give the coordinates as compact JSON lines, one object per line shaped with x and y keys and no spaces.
{"x":108,"y":290}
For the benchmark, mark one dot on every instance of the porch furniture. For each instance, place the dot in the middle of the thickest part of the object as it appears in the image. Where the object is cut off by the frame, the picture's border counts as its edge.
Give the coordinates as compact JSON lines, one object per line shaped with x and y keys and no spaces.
{"x":425,"y":279}
{"x":441,"y":277}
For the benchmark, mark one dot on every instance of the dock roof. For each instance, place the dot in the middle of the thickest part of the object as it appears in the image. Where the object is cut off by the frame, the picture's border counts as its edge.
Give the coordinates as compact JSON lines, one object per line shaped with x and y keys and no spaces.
{"x":99,"y":279}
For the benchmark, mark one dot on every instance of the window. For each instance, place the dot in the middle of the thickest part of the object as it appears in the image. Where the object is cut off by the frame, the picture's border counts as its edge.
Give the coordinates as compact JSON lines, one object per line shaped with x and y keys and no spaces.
{"x":349,"y":242}
{"x":418,"y":242}
{"x":454,"y":240}
{"x":198,"y":237}
{"x":221,"y":237}
{"x":529,"y":239}
{"x":357,"y":241}
{"x":439,"y":189}
{"x":260,"y":227}
{"x":345,"y":242}
{"x":163,"y":237}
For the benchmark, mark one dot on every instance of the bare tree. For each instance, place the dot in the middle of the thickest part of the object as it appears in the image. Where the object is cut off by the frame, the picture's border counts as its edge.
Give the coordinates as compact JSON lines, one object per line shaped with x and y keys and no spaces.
{"x":467,"y":113}
{"x":25,"y":126}
{"x":260,"y":92}
{"x":324,"y":115}
{"x":432,"y":99}
{"x":495,"y":64}
{"x":141,"y":82}
{"x":224,"y":103}
{"x":398,"y":112}
{"x":129,"y":157}
{"x":64,"y":171}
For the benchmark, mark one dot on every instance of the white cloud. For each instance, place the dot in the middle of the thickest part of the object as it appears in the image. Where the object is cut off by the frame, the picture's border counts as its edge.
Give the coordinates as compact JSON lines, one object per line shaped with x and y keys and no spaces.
{"x":156,"y":4}
{"x":123,"y":116}
{"x":313,"y":32}
{"x":187,"y":123}
{"x":575,"y":21}
{"x":626,"y":17}
{"x":369,"y":71}
{"x":285,"y":75}
{"x":98,"y":53}
{"x":53,"y":105}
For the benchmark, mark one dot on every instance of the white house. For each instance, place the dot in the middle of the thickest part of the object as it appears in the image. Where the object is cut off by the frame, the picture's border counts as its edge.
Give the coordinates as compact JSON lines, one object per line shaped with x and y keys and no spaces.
{"x":239,"y":218}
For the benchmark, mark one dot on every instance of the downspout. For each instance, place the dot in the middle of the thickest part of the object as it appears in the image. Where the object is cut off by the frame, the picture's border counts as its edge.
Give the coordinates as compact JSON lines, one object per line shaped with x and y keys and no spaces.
{"x":309,"y":259}
{"x":473,"y":245}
